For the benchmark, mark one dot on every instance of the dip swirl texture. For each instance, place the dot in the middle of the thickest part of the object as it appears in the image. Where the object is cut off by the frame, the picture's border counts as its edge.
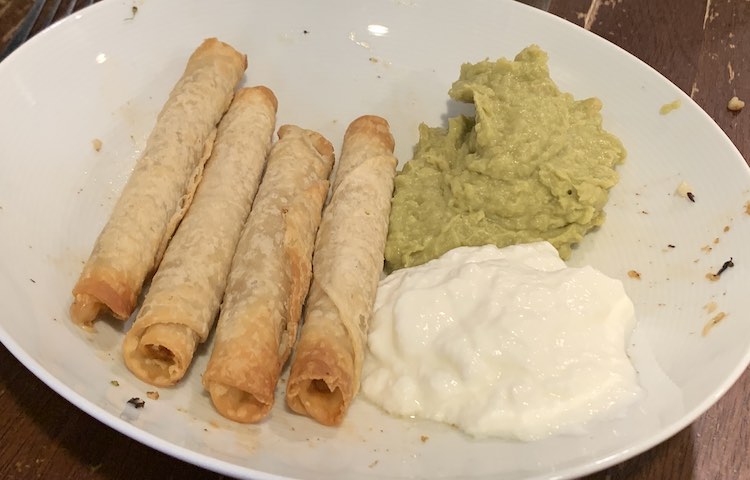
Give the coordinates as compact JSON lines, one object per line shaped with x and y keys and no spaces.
{"x":505,"y":342}
{"x":533,"y":164}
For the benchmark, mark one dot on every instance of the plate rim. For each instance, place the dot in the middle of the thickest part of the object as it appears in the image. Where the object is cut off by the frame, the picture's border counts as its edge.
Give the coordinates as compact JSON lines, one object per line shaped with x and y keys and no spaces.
{"x":225,"y":467}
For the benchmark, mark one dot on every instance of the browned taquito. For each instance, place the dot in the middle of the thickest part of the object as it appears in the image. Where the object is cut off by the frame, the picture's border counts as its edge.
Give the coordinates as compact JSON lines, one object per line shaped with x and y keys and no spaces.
{"x":348,"y":261}
{"x":186,"y":291}
{"x":269,"y":277}
{"x":161,"y":186}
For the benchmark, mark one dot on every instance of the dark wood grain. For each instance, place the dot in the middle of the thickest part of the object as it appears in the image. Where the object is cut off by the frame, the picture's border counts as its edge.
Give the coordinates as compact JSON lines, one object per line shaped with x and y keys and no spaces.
{"x":44,"y":436}
{"x":701,"y":46}
{"x":12,"y":15}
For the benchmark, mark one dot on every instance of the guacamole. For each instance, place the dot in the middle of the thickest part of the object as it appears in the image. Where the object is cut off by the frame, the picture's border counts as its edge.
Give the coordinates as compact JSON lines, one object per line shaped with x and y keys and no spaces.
{"x":532,"y":164}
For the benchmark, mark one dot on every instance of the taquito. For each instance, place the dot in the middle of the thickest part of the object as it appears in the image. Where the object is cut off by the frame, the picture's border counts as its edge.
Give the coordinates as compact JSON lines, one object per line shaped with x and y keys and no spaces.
{"x":347,"y":263}
{"x":269,"y":277}
{"x":161,"y":186}
{"x":186,"y":291}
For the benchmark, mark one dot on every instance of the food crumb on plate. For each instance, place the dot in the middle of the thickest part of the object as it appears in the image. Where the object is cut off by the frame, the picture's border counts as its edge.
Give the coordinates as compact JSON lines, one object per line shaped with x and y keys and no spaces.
{"x":685,"y":190}
{"x":710,"y":307}
{"x":114,"y":383}
{"x":97,"y":144}
{"x":669,"y":107}
{"x":713,"y":322}
{"x":634,"y":274}
{"x":134,"y":12}
{"x":715,"y":276}
{"x":137,"y":402}
{"x":424,"y":438}
{"x":153,"y":395}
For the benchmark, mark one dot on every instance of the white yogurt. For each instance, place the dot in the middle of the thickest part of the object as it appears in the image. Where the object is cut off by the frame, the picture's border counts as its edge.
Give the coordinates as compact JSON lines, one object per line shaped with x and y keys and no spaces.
{"x":501,"y":342}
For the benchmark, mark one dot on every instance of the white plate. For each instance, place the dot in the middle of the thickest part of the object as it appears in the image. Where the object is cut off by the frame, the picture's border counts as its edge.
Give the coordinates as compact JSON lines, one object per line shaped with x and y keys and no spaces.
{"x":101,"y":74}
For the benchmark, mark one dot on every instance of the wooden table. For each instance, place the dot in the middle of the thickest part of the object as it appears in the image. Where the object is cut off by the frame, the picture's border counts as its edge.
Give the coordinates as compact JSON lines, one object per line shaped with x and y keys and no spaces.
{"x":701,"y":46}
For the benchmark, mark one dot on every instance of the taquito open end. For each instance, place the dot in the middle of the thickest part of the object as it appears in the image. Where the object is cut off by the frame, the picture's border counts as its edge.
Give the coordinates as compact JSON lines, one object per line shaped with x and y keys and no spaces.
{"x":92,"y":295}
{"x":238,"y":405}
{"x":84,"y":310}
{"x":319,"y":390}
{"x":160,"y":354}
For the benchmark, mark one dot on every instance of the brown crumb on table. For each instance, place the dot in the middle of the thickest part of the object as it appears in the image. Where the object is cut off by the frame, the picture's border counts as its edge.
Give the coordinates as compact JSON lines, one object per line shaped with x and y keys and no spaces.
{"x":373,"y":464}
{"x":706,"y":249}
{"x":713,"y":322}
{"x":424,"y":438}
{"x":97,"y":144}
{"x":114,"y":383}
{"x":747,"y":208}
{"x":716,"y":240}
{"x":735,"y":104}
{"x":726,"y":228}
{"x":153,"y":395}
{"x":634,"y":274}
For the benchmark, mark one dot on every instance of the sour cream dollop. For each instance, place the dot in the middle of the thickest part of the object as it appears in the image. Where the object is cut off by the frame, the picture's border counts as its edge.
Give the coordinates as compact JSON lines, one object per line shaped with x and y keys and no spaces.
{"x":501,"y":342}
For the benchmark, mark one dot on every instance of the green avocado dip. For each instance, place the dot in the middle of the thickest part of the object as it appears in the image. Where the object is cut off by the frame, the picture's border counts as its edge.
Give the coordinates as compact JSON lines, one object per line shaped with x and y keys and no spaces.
{"x":533,"y":164}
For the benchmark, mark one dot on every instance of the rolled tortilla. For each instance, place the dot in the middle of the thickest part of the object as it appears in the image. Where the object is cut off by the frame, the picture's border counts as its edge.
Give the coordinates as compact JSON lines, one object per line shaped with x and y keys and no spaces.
{"x":186,"y":291}
{"x":269,"y":277}
{"x":348,"y":260}
{"x":161,"y":186}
